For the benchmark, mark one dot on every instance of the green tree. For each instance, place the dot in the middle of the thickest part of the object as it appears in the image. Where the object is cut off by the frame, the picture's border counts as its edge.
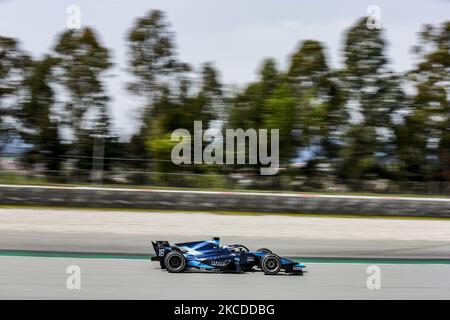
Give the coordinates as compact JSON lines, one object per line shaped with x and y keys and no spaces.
{"x":247,"y":108}
{"x":204,"y":105}
{"x":260,"y":106}
{"x":14,"y":67}
{"x":83,"y":62}
{"x":155,"y":69}
{"x":279,"y":112}
{"x":153,"y":58}
{"x":424,"y":139}
{"x":39,"y":126}
{"x":173,"y":111}
{"x":320,"y":99}
{"x":169,"y":94}
{"x":375,"y":95}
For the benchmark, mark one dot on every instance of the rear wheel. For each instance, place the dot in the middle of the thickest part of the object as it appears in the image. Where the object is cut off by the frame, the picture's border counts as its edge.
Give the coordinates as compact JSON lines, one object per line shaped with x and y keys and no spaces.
{"x":271,"y":264}
{"x":175,"y":262}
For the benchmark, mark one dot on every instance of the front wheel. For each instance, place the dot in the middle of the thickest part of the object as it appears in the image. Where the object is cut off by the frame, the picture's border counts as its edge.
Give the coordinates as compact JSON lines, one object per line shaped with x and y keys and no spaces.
{"x":175,"y":262}
{"x":271,"y":264}
{"x":264,"y":250}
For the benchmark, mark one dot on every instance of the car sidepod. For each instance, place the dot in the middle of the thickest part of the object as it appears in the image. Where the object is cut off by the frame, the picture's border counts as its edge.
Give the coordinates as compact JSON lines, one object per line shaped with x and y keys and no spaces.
{"x":220,"y":260}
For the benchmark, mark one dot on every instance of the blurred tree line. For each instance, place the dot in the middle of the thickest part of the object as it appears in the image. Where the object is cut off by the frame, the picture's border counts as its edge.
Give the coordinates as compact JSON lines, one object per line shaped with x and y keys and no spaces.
{"x":361,"y":122}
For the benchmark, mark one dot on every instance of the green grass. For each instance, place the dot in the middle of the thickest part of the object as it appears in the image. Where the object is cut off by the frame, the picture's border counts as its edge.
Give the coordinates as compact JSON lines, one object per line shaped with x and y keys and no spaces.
{"x":220,"y":212}
{"x":8,"y":178}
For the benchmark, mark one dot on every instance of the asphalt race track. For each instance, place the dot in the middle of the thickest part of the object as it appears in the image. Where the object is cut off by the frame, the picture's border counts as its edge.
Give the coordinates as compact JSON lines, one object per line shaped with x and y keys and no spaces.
{"x":291,"y":247}
{"x":45,"y":278}
{"x":112,"y":250}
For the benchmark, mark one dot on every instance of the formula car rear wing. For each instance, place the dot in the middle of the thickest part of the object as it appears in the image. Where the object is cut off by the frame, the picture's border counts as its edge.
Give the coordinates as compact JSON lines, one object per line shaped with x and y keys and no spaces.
{"x":162,"y":248}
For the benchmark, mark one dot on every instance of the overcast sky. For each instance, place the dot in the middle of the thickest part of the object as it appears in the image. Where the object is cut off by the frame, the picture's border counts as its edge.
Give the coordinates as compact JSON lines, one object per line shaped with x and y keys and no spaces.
{"x":234,"y":34}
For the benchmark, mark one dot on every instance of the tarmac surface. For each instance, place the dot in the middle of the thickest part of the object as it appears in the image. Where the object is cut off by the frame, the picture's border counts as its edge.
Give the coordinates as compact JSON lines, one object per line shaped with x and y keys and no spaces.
{"x":413,"y":256}
{"x":291,"y":247}
{"x":46,"y":278}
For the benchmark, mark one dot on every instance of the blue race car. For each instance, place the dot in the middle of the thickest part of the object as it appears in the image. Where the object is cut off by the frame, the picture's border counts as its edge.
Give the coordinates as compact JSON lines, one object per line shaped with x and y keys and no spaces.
{"x":209,"y":255}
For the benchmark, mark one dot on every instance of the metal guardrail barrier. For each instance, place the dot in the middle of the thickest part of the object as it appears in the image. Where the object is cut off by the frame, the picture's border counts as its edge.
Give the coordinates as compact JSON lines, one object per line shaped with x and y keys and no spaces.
{"x":223,"y":201}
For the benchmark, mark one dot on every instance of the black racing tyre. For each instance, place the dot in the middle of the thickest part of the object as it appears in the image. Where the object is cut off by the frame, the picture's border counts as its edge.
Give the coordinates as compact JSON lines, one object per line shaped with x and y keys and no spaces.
{"x":271,"y":264}
{"x":175,"y":262}
{"x":264,"y":250}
